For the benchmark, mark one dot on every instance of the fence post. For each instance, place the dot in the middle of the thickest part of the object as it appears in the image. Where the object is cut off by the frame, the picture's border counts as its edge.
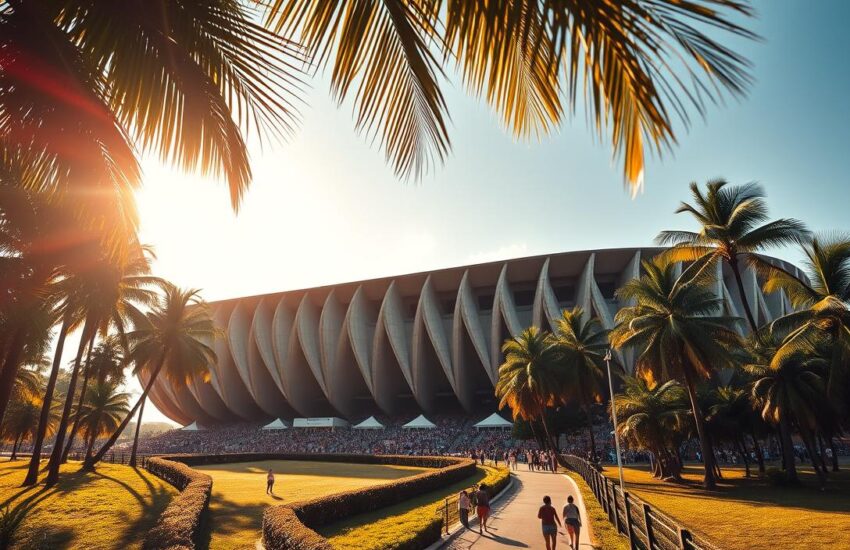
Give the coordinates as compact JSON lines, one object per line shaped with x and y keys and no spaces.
{"x":617,"y":521}
{"x":605,"y":504}
{"x":684,"y":539}
{"x":650,"y":535}
{"x":630,"y":530}
{"x":446,"y":512}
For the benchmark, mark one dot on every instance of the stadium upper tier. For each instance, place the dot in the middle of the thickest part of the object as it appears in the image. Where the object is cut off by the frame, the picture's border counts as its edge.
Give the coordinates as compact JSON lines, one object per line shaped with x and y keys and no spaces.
{"x":422,"y":342}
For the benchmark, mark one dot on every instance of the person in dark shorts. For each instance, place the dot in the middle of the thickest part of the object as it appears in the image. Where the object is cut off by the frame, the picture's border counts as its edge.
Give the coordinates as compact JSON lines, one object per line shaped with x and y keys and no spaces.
{"x":572,"y":519}
{"x":270,"y":483}
{"x":482,"y":501}
{"x":549,"y":521}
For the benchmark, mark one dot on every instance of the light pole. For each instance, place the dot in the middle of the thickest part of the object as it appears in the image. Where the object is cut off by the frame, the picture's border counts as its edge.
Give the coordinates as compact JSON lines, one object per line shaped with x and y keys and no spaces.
{"x":614,"y":416}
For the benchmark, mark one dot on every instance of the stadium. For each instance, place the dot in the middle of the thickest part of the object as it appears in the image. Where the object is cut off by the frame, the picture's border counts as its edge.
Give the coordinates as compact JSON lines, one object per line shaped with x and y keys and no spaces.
{"x":400,"y":346}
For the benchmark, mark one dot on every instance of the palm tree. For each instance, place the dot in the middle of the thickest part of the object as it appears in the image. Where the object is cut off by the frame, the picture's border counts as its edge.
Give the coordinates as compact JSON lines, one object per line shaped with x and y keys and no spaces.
{"x":676,"y":332}
{"x":788,"y":388}
{"x":822,"y":319}
{"x":729,"y":418}
{"x":527,"y":59}
{"x":111,"y":289}
{"x":582,"y":344}
{"x":530,"y":379}
{"x":732,"y":229}
{"x":102,"y":412}
{"x":171,"y":338}
{"x":652,"y":418}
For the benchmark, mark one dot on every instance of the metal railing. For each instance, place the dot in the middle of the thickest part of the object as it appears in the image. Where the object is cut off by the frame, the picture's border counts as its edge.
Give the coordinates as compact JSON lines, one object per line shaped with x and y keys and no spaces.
{"x":646,"y":527}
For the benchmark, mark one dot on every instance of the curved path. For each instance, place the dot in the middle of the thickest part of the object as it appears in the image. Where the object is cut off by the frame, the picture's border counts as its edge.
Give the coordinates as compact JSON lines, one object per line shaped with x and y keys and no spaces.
{"x":514,"y":522}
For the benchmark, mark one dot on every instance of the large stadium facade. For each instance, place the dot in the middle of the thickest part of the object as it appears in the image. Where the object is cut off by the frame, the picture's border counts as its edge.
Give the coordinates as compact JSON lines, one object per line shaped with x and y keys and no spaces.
{"x":426,"y":342}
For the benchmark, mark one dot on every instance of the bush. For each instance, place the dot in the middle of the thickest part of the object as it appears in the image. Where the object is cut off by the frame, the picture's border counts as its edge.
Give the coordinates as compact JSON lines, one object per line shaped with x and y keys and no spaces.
{"x":179,"y":524}
{"x":777,"y":477}
{"x":290,"y":526}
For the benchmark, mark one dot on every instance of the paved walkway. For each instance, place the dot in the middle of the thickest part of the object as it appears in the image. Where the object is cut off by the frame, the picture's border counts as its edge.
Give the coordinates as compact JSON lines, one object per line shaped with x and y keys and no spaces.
{"x":514,"y":522}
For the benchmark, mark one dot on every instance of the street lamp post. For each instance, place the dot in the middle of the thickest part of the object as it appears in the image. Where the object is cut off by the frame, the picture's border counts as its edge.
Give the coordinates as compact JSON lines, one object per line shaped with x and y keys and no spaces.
{"x":614,"y":416}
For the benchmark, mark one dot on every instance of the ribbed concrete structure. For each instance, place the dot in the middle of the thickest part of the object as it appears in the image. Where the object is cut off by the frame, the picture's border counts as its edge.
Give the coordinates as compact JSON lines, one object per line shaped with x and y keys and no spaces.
{"x":425,"y":342}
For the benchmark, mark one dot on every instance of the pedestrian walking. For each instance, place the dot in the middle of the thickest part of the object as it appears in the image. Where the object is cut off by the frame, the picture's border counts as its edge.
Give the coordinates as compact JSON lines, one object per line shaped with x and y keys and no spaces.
{"x":482,"y":501}
{"x":270,"y":483}
{"x":550,"y":522}
{"x":572,"y":519}
{"x":463,"y":506}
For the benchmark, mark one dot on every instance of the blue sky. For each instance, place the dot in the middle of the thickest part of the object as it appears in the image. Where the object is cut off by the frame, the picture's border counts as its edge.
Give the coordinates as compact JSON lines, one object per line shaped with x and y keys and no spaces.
{"x":325,"y":207}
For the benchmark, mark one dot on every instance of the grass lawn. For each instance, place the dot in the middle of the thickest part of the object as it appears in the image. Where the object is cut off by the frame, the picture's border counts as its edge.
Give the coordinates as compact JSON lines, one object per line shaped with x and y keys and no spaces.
{"x":239,"y":492}
{"x":382,"y":528}
{"x":111,"y":508}
{"x":751,"y":514}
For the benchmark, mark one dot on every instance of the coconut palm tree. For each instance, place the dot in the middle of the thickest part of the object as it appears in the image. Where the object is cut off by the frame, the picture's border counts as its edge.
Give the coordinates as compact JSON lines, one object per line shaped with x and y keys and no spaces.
{"x":21,"y":423}
{"x":788,"y":388}
{"x":173,"y":338}
{"x":652,"y":418}
{"x":582,"y":344}
{"x":530,"y":379}
{"x":732,"y":228}
{"x":102,"y":412}
{"x":822,"y":300}
{"x":729,"y":418}
{"x":674,"y":328}
{"x":107,"y":291}
{"x":527,"y":59}
{"x":111,"y":289}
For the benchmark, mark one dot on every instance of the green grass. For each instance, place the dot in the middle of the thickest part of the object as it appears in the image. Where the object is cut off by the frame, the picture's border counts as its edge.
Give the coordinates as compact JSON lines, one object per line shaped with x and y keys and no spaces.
{"x":602,"y":532}
{"x":751,"y":514}
{"x":111,"y":508}
{"x":239,"y":492}
{"x":388,"y":527}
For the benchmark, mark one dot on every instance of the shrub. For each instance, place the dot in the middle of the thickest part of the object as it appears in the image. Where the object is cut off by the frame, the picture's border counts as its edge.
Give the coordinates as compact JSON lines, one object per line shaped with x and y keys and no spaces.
{"x":290,"y":526}
{"x":179,"y":524}
{"x":777,"y":477}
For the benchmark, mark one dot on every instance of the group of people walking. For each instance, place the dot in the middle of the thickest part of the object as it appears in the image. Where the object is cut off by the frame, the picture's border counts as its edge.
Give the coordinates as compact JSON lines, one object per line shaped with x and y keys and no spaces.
{"x":480,"y":498}
{"x":550,"y":522}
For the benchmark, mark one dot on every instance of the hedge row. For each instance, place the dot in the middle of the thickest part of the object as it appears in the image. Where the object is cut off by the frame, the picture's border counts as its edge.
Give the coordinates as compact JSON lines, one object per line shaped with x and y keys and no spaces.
{"x":178,"y":525}
{"x":290,"y":527}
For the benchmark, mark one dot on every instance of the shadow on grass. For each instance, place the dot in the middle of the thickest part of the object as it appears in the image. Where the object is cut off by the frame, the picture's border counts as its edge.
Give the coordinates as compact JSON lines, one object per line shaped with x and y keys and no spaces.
{"x":753,"y":490}
{"x":226,"y":518}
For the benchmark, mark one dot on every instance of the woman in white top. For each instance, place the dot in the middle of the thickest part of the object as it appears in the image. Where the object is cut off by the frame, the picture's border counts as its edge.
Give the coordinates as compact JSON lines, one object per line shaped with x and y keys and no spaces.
{"x":572,"y":519}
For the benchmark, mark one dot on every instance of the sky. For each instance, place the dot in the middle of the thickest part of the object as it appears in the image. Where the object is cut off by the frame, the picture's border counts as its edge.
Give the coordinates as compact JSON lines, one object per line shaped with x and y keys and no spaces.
{"x":325,"y":207}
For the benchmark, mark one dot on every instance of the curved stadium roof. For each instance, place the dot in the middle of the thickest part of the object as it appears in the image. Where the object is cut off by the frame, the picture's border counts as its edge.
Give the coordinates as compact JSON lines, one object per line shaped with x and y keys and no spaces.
{"x":423,"y":342}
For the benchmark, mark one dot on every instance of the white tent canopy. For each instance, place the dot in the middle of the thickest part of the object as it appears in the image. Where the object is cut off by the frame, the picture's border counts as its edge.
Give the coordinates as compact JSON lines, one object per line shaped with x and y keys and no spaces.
{"x":276,"y":424}
{"x":494,"y":421}
{"x":193,"y":427}
{"x":370,"y":423}
{"x":420,"y":422}
{"x":320,"y":422}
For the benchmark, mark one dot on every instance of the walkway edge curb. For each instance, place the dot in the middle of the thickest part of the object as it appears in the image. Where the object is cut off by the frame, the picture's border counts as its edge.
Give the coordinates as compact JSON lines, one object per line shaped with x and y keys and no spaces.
{"x":459,"y":528}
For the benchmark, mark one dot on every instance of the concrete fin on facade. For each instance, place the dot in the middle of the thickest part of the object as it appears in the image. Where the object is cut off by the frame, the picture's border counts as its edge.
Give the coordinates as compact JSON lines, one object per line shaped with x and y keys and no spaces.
{"x":303,"y":390}
{"x":546,"y":308}
{"x":392,"y":374}
{"x":504,"y":312}
{"x":159,"y":397}
{"x":306,"y":328}
{"x":283,"y":329}
{"x":429,"y":334}
{"x":261,"y":328}
{"x":208,"y":398}
{"x":180,"y":394}
{"x":330,"y":328}
{"x":231,"y":387}
{"x":360,"y":323}
{"x":467,"y":327}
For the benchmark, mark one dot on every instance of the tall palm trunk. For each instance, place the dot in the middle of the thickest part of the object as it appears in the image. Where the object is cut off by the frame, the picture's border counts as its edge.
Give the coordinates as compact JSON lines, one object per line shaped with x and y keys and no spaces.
{"x":136,"y":437}
{"x":590,"y":433}
{"x":834,"y":454}
{"x":759,"y":454}
{"x":736,"y":271}
{"x":91,"y":461}
{"x":78,"y":414}
{"x":15,"y":448}
{"x":806,"y":435}
{"x":705,"y":445}
{"x":44,"y":418}
{"x":787,"y":448}
{"x":11,"y":364}
{"x":90,"y":445}
{"x":59,"y":444}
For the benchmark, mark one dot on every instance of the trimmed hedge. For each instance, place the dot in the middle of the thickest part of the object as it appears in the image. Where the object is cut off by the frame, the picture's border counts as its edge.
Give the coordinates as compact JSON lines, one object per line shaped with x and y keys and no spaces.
{"x":179,"y":523}
{"x":289,"y":527}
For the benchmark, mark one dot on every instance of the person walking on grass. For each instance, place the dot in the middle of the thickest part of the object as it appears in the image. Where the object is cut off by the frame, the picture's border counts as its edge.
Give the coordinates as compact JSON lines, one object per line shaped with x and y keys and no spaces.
{"x":550,"y":522}
{"x":270,"y":483}
{"x":572,"y":519}
{"x":482,"y":500}
{"x":463,"y":506}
